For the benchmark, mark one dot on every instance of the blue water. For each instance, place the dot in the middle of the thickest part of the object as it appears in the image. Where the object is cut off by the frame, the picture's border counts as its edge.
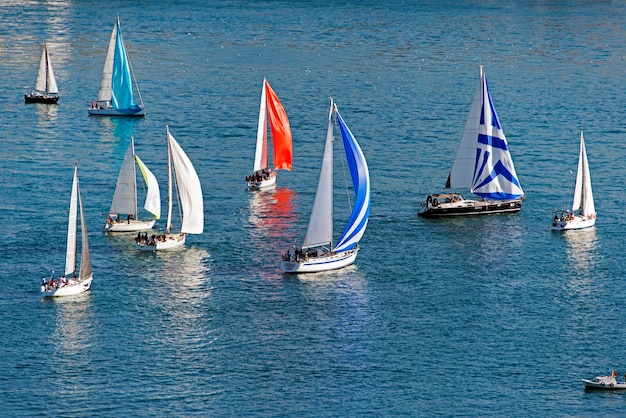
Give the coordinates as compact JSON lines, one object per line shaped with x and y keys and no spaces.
{"x":484,"y":316}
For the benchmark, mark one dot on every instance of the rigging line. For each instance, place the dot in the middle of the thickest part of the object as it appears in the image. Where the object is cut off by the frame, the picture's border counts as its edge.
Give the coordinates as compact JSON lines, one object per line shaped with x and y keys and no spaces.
{"x":130,"y":65}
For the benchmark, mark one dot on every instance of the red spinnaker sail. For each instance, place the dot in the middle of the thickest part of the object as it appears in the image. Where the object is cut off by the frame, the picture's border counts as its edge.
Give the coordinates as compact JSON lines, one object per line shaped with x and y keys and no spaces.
{"x":281,"y":131}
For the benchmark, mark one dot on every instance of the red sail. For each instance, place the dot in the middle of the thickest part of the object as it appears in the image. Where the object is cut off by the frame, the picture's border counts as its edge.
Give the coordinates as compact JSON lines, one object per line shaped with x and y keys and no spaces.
{"x":281,"y":131}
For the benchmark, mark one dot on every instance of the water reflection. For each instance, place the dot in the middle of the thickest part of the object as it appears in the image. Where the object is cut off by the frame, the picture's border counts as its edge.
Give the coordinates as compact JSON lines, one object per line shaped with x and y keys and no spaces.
{"x":122,"y":127}
{"x":73,"y":342}
{"x":581,"y":249}
{"x":272,"y":215}
{"x":272,"y":212}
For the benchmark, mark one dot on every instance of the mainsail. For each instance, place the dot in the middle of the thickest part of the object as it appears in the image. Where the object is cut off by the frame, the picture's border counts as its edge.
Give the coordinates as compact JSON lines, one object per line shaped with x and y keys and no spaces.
{"x":583,"y":196}
{"x":46,"y":82}
{"x":70,"y":252}
{"x":320,"y":229}
{"x":260,"y":156}
{"x":125,"y":195}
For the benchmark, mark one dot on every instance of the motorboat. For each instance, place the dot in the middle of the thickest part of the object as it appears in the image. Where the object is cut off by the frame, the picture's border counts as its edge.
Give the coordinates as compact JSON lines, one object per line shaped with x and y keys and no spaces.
{"x":609,"y":382}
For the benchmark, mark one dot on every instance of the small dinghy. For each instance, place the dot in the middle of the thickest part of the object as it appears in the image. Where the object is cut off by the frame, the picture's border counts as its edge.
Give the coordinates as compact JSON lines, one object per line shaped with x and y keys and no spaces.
{"x":605,"y":382}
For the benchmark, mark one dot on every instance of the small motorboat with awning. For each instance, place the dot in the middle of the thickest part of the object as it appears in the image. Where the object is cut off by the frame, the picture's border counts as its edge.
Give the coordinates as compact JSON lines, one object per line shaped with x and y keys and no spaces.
{"x":609,"y":382}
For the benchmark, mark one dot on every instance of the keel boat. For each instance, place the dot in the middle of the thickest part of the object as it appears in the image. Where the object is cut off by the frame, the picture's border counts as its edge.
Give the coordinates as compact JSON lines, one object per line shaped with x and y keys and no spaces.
{"x":317,"y":252}
{"x":263,"y":177}
{"x":46,"y":89}
{"x":72,"y":283}
{"x":116,"y":97}
{"x":483,"y":166}
{"x":583,"y":213}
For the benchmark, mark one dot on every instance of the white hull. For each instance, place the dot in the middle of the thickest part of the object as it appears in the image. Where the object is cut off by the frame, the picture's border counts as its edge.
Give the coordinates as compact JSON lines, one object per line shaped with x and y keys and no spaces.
{"x":113,"y":112}
{"x":264,"y":184}
{"x":604,"y":383}
{"x":169,"y":242}
{"x":579,"y":222}
{"x":132,"y":226}
{"x":329,"y":261}
{"x":69,"y":289}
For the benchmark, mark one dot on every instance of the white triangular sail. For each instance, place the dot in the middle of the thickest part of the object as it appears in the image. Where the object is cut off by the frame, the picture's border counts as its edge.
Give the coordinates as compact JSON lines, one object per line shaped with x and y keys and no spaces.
{"x":70,"y":253}
{"x":583,"y":195}
{"x":153,"y":194}
{"x":260,"y":156}
{"x":104,"y":94}
{"x":46,"y":82}
{"x":320,"y":229}
{"x":125,"y":196}
{"x":462,"y":171}
{"x":189,"y":189}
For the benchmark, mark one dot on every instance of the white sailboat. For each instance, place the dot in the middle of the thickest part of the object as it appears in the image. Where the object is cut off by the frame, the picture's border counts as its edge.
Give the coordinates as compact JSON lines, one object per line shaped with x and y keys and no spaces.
{"x":189,"y":192}
{"x":71,"y":283}
{"x":263,"y":177}
{"x":46,"y":89}
{"x":116,"y":97}
{"x":583,"y":213}
{"x":482,"y":166}
{"x":317,"y":252}
{"x":125,"y":197}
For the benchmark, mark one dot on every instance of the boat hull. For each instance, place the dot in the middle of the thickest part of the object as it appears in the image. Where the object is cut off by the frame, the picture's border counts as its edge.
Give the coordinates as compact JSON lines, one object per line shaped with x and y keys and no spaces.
{"x":604,"y":383}
{"x":471,"y":207}
{"x":113,"y":112}
{"x":129,"y":226}
{"x":39,"y":98}
{"x":68,"y":289}
{"x":325,"y":262}
{"x":579,"y":222}
{"x":167,"y":242}
{"x":263,"y":184}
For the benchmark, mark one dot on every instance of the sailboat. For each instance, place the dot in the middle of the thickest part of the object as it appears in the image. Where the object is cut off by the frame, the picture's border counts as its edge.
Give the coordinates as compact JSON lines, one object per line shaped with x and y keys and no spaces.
{"x":483,"y":166}
{"x":317,"y":252}
{"x":583,"y":214}
{"x":46,"y":89}
{"x":125,"y":196}
{"x":115,"y":97}
{"x":189,"y":192}
{"x":263,"y":177}
{"x":70,"y":283}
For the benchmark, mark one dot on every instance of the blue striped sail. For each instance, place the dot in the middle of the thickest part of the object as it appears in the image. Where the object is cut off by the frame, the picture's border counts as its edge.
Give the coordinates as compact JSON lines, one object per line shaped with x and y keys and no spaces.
{"x":361,"y":183}
{"x":494,"y":173}
{"x":121,"y":83}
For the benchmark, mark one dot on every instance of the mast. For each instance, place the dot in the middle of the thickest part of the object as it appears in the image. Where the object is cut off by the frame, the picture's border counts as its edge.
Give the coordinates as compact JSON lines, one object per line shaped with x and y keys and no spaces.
{"x":168,"y":226}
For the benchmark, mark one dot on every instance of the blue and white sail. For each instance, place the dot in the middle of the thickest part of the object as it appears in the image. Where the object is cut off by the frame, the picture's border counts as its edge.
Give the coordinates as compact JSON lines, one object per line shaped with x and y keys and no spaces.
{"x":361,"y":182}
{"x":116,"y":94}
{"x":483,"y":163}
{"x":320,"y":230}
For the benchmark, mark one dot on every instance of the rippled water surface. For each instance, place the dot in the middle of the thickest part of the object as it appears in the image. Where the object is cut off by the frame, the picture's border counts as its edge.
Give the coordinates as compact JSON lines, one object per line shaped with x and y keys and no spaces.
{"x":483,"y":316}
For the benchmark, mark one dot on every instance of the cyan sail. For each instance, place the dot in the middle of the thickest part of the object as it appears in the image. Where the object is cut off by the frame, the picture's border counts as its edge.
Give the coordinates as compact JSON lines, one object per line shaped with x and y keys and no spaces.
{"x":494,"y":174}
{"x":121,"y":82}
{"x":361,"y":183}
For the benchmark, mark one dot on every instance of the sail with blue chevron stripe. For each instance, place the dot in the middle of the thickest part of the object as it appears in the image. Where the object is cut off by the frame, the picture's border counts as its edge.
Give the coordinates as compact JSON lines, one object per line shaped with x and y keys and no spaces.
{"x":483,"y":163}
